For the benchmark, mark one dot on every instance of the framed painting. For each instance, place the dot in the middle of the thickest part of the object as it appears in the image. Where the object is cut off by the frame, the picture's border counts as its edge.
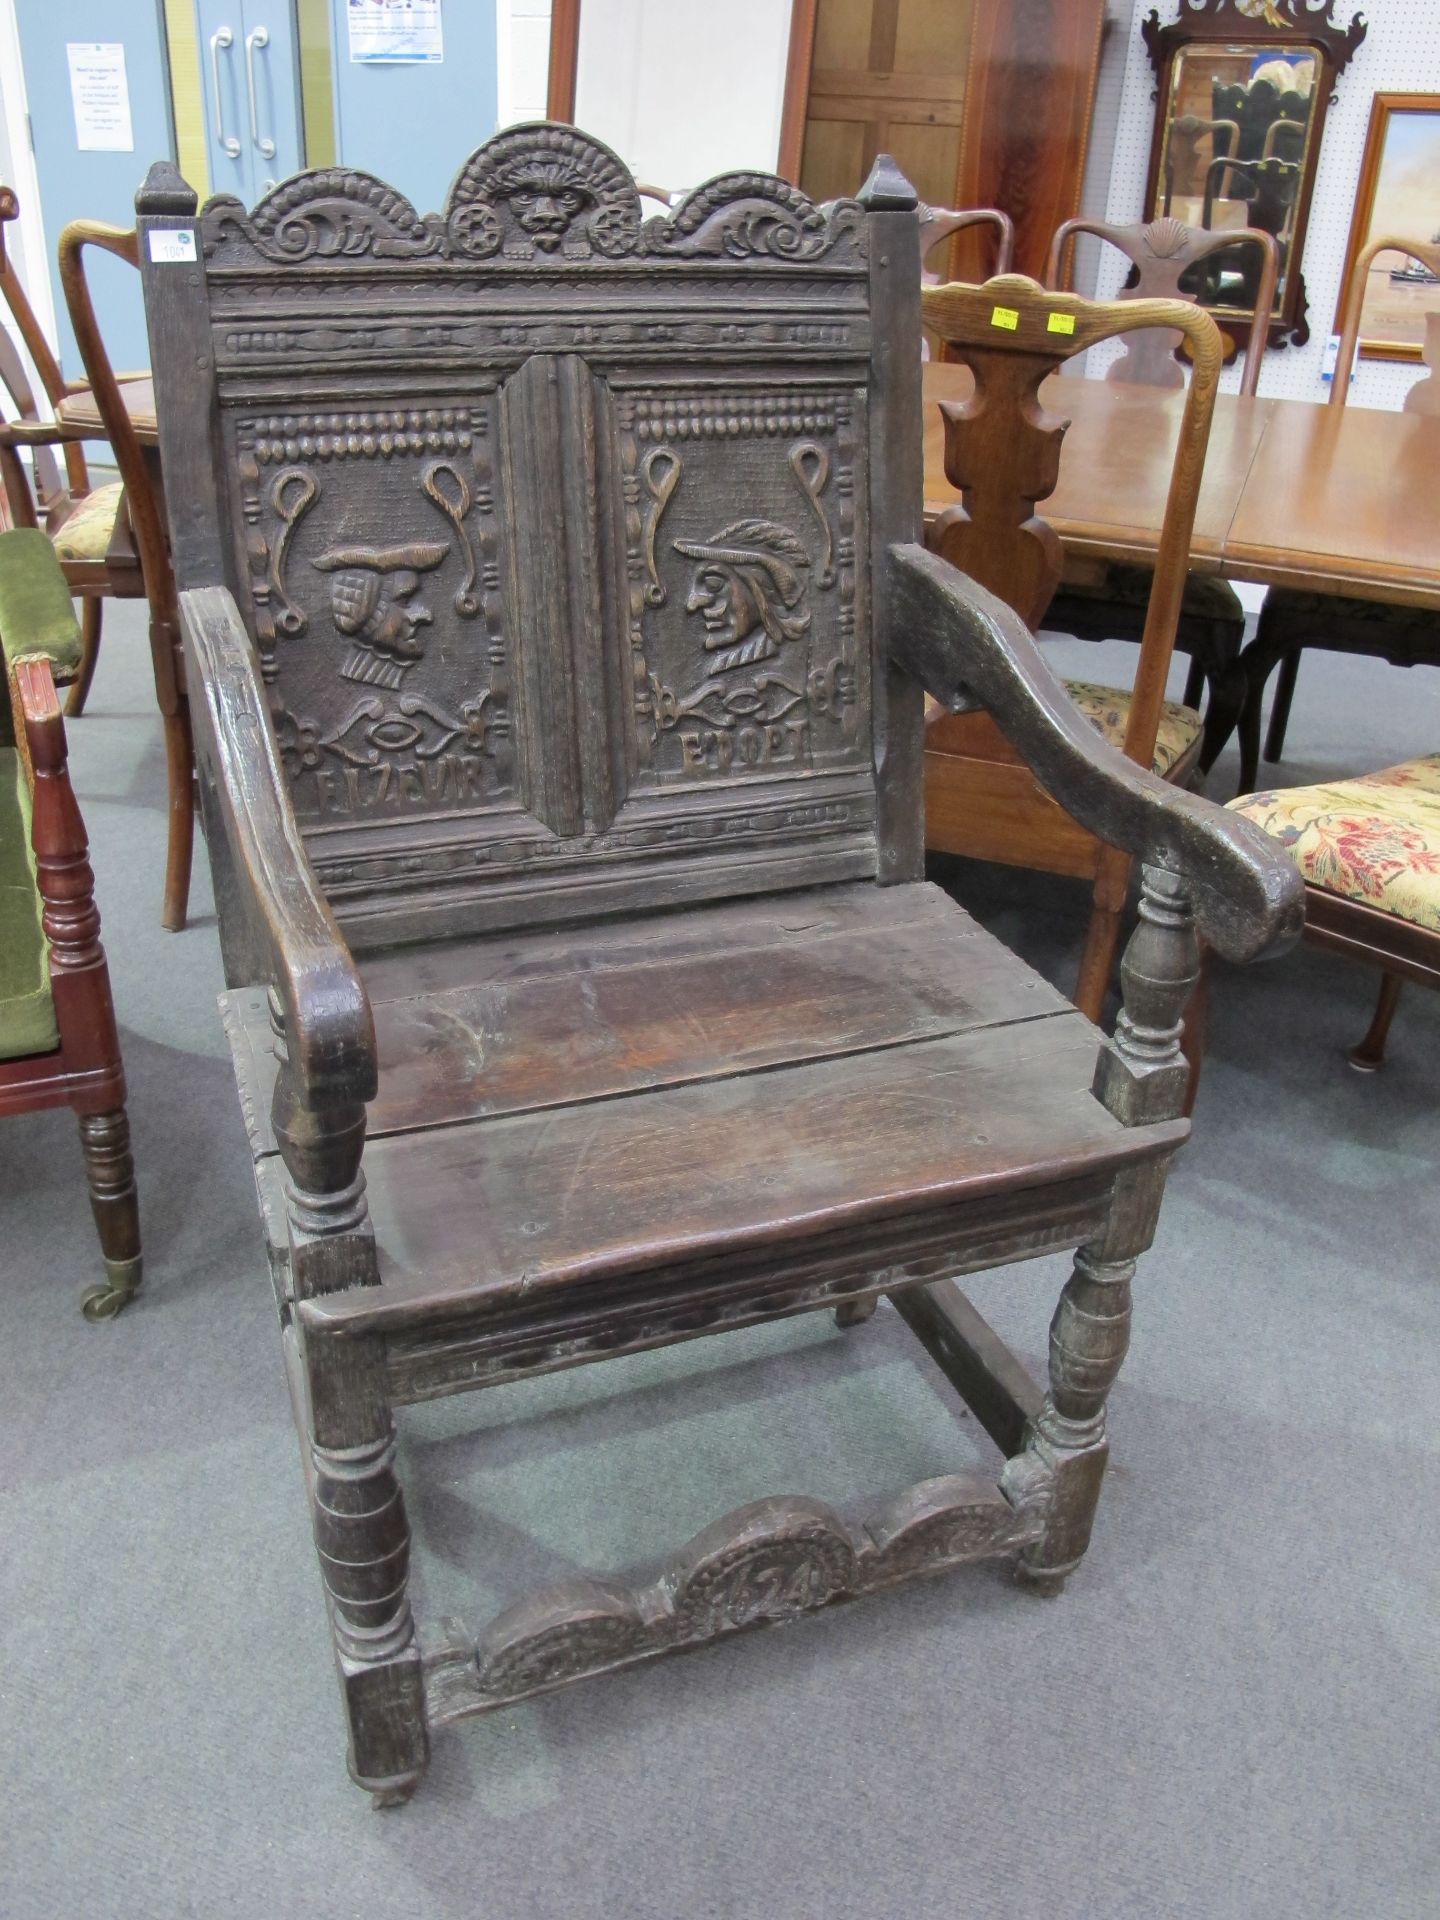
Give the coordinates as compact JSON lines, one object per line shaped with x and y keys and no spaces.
{"x":1399,"y":193}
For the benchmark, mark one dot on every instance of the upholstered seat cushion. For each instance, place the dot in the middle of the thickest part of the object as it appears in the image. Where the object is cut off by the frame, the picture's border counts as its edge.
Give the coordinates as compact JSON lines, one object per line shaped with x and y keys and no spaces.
{"x":86,"y":533}
{"x":1312,"y":616}
{"x":1375,"y":839}
{"x":1108,"y":711}
{"x":27,"y":1013}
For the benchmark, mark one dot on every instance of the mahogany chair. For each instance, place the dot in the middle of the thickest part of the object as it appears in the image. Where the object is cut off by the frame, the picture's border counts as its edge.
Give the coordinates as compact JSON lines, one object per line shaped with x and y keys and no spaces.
{"x":1183,"y":156}
{"x":1293,"y":619}
{"x":1002,"y":451}
{"x":941,"y":224}
{"x":1112,"y":606}
{"x":558,"y":651}
{"x":140,"y":479}
{"x":1368,"y":850}
{"x":58,"y":1044}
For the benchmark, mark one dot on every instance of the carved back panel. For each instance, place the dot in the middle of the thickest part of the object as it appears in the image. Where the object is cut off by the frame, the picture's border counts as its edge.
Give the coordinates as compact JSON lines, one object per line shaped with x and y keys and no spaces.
{"x":552,"y":526}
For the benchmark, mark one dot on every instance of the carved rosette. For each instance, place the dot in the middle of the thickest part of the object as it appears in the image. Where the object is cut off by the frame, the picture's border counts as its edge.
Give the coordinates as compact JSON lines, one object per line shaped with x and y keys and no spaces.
{"x":761,"y":1565}
{"x":743,"y":654}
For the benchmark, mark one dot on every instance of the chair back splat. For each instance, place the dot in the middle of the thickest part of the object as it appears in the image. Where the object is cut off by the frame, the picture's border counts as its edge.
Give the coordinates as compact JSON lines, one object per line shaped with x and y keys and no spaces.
{"x":551,"y":525}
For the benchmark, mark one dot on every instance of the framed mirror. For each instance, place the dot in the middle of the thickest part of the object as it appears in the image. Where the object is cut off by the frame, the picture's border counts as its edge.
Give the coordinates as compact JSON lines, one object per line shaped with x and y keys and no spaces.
{"x":1242,"y":88}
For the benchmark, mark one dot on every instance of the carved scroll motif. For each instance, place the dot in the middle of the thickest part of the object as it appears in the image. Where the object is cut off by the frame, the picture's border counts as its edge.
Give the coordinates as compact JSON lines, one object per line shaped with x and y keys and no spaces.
{"x":761,"y":1565}
{"x":292,"y":496}
{"x":660,"y":470}
{"x":811,"y":466}
{"x":455,"y":508}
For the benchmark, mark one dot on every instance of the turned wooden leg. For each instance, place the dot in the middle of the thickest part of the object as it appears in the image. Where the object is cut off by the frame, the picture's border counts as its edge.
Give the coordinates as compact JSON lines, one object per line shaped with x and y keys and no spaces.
{"x":91,"y":611}
{"x":1370,"y":1053}
{"x":105,"y":1141}
{"x":1280,"y":710}
{"x":1088,"y":1339}
{"x":363,"y":1539}
{"x":1140,"y":1077}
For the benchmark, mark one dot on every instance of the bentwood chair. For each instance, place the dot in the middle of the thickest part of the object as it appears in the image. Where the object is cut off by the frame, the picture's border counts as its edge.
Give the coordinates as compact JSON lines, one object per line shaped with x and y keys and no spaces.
{"x":146,"y":516}
{"x":88,"y":525}
{"x":1002,"y":451}
{"x":558,"y":653}
{"x":1368,"y":850}
{"x":1293,"y":619}
{"x":58,"y":1044}
{"x":1111,"y":605}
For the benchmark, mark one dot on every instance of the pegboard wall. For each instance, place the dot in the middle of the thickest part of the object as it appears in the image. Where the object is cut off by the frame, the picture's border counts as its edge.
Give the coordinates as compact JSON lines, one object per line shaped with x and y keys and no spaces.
{"x":1400,"y":54}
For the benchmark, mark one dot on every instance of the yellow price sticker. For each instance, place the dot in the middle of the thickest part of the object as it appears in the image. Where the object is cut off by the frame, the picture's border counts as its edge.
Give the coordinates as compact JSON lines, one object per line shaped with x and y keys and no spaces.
{"x":1060,"y":323}
{"x":1007,"y":317}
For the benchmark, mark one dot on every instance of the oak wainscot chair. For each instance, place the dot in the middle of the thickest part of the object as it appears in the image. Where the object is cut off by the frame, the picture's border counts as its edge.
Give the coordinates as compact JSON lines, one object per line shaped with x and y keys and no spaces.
{"x":58,"y":1044}
{"x":1295,"y":618}
{"x":557,"y":632}
{"x":984,"y":797}
{"x":1110,"y":602}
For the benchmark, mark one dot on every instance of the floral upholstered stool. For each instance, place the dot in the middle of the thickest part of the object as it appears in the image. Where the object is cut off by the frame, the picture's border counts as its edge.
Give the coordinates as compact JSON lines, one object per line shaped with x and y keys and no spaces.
{"x":1368,"y":850}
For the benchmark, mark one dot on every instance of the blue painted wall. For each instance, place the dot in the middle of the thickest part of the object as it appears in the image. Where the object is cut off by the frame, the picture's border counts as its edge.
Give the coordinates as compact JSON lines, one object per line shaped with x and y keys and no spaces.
{"x":413,"y":125}
{"x":96,"y":186}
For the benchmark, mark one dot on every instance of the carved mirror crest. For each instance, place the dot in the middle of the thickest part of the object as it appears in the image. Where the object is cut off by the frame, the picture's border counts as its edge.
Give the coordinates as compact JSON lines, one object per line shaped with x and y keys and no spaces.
{"x":1241,"y":95}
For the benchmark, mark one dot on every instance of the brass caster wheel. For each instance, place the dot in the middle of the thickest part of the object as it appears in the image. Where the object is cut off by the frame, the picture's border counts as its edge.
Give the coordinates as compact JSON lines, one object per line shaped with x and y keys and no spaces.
{"x":104,"y":1302}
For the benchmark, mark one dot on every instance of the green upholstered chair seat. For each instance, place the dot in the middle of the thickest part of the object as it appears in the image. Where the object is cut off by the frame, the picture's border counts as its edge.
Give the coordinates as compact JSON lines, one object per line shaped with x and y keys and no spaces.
{"x":27,"y":1012}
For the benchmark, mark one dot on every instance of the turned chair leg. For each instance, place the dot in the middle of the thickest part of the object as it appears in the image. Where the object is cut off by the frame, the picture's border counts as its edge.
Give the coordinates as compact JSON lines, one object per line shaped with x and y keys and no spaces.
{"x":1280,"y":710}
{"x":91,"y":611}
{"x":105,"y":1141}
{"x":1088,"y":1339}
{"x":362,"y":1537}
{"x":1370,"y":1053}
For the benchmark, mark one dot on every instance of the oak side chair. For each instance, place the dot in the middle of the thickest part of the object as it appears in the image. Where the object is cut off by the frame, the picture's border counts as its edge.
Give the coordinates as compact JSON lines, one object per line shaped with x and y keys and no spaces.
{"x":1111,"y":606}
{"x":1293,"y":618}
{"x":1002,"y":451}
{"x":558,"y":629}
{"x":58,"y":1044}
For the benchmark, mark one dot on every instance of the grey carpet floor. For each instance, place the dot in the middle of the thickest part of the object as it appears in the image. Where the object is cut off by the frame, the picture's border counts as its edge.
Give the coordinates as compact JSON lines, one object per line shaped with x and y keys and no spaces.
{"x":1231,"y":1712}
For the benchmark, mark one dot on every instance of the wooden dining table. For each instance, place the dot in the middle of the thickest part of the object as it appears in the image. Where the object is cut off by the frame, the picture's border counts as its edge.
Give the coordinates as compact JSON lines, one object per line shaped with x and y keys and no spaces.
{"x":1338,"y":499}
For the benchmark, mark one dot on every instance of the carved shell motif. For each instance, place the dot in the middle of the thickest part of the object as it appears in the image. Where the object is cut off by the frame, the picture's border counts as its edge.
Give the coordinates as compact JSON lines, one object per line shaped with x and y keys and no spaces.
{"x":534,"y":195}
{"x":1165,"y":238}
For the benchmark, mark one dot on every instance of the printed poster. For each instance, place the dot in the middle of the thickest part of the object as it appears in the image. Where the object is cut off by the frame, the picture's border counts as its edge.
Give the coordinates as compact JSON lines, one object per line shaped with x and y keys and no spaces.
{"x":100,"y":96}
{"x":395,"y":32}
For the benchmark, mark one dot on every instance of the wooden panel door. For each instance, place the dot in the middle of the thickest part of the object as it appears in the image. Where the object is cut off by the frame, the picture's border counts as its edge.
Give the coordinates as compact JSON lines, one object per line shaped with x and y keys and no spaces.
{"x":887,"y":76}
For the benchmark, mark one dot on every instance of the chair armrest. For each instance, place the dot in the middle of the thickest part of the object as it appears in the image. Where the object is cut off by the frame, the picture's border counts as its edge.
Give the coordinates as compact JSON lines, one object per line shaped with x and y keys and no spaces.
{"x":37,"y":615}
{"x":46,"y":433}
{"x":329,"y":1035}
{"x":969,"y":649}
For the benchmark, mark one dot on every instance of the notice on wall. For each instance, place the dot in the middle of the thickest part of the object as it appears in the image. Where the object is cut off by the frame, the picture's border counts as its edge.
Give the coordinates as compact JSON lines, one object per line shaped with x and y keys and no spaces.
{"x":395,"y":32}
{"x":100,"y":96}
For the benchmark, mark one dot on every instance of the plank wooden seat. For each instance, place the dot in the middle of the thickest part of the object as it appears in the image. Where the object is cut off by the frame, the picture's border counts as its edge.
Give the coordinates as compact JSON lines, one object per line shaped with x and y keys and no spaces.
{"x":557,"y":637}
{"x":708,"y":1056}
